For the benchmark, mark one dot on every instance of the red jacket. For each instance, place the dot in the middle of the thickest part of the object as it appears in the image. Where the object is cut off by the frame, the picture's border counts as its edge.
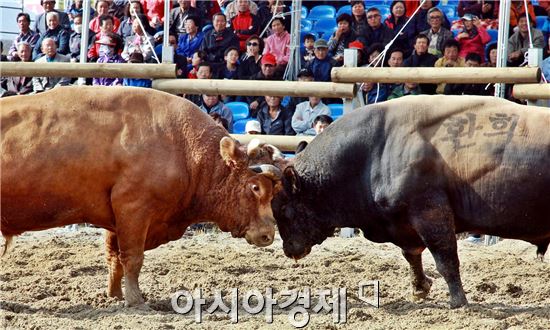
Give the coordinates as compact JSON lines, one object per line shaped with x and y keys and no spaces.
{"x":475,"y":44}
{"x":244,"y":25}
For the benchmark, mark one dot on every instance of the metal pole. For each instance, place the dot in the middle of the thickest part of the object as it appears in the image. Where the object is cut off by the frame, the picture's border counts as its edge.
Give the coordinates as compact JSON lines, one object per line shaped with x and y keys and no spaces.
{"x":84,"y":36}
{"x":502,"y":43}
{"x":167,"y":51}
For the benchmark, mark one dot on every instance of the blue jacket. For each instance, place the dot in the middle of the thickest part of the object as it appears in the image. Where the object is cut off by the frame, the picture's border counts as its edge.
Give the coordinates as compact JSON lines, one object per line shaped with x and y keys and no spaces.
{"x":320,"y":69}
{"x":187,"y":47}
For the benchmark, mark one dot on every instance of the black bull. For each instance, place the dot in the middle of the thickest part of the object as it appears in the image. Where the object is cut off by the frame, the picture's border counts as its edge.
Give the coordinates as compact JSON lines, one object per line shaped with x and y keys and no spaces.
{"x":416,"y":171}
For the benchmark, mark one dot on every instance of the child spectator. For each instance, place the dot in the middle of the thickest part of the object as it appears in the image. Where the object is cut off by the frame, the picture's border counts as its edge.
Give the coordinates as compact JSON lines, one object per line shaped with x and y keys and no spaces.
{"x":321,"y":65}
{"x":136,"y":82}
{"x":321,"y":122}
{"x":308,"y":53}
{"x":198,"y":58}
{"x":305,"y":114}
{"x":109,"y":49}
{"x":229,"y":70}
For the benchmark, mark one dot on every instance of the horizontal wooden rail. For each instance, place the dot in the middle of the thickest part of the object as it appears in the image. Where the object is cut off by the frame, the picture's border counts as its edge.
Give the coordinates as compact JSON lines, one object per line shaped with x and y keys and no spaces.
{"x":285,"y":143}
{"x":532,"y":91}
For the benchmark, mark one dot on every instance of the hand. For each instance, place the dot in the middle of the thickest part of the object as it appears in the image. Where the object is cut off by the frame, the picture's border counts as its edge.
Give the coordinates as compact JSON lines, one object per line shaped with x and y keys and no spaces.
{"x":477,"y":22}
{"x":254,"y":105}
{"x":514,"y":55}
{"x":338,"y":33}
{"x":487,"y":7}
{"x":463,"y":35}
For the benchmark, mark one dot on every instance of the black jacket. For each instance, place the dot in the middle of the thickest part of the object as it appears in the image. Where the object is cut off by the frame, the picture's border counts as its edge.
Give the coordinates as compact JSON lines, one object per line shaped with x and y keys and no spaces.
{"x":215,"y":44}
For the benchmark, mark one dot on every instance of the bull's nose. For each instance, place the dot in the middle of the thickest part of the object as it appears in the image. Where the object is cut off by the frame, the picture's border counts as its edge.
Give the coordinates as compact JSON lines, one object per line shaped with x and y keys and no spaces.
{"x":295,"y":250}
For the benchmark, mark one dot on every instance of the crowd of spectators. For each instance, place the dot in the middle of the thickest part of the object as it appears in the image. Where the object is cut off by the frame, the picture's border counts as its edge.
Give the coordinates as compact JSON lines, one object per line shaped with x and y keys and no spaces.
{"x":246,"y":39}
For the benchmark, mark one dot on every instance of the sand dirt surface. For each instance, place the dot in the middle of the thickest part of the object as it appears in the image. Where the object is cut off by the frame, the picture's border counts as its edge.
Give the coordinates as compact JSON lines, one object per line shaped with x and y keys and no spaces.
{"x":57,"y":280}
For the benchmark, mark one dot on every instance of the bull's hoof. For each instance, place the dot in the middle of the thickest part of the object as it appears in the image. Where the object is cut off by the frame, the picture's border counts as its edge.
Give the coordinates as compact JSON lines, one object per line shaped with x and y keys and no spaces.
{"x":540,"y":257}
{"x":458,"y":302}
{"x":117,"y":295}
{"x":422,"y":289}
{"x":133,"y":301}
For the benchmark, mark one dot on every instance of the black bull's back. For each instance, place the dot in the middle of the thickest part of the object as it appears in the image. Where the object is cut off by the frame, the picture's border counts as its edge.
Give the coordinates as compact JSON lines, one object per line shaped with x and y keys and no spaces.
{"x":416,"y":170}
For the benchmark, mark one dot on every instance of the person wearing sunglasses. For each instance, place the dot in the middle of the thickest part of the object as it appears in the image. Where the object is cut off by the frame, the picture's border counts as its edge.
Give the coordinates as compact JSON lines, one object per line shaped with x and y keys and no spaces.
{"x":376,"y":31}
{"x":250,"y":60}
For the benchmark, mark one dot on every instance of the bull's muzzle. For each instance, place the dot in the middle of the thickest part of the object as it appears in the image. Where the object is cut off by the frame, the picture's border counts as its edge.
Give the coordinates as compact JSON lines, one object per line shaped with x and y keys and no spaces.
{"x":262,"y":236}
{"x":296,"y":250}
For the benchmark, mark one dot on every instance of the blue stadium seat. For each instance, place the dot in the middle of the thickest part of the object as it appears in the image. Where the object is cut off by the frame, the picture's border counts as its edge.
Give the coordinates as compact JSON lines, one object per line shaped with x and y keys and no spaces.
{"x":493,"y":33}
{"x":344,"y":9}
{"x":541,"y":20}
{"x":239,"y":110}
{"x":375,"y":3}
{"x":306,"y":25}
{"x":448,"y":10}
{"x":325,"y":27}
{"x":336,"y":110}
{"x":239,"y":126}
{"x":304,"y":11}
{"x":322,"y":11}
{"x":384,"y":11}
{"x":455,"y":32}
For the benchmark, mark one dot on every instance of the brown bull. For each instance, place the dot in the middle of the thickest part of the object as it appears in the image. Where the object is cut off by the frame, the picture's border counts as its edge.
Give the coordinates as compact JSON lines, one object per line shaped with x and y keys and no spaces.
{"x":140,"y":163}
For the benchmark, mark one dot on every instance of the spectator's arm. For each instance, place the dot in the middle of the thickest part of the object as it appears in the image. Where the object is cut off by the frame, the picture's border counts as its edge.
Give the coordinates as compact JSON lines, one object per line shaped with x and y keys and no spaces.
{"x":63,"y":47}
{"x":37,"y":52}
{"x":299,"y":125}
{"x":485,"y":37}
{"x":288,"y":125}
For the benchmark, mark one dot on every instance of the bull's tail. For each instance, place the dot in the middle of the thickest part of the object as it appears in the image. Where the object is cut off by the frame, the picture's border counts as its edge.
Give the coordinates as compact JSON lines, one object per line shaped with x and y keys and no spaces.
{"x":8,"y":240}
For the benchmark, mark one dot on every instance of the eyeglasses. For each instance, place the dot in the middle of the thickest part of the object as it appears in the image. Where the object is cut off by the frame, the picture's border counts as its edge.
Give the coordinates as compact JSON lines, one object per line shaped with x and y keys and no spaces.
{"x":435,"y":17}
{"x":373,"y":16}
{"x":252,"y":44}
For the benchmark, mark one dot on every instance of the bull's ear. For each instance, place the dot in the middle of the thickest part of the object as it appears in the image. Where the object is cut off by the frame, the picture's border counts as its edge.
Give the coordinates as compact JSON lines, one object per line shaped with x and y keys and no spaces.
{"x":231,"y":154}
{"x":291,"y":181}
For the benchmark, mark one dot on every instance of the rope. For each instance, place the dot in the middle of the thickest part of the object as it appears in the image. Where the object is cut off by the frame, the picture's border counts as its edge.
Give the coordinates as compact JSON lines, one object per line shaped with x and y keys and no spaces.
{"x":134,"y":13}
{"x":528,"y":24}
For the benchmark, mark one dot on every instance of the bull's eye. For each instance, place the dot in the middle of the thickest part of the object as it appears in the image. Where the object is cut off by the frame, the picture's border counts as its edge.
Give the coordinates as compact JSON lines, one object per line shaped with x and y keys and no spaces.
{"x":255,"y":188}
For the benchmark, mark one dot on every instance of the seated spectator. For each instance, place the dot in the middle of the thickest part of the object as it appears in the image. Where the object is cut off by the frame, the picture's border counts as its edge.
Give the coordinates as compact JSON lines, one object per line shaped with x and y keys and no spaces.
{"x":217,"y":40}
{"x":421,"y":58}
{"x":481,"y":9}
{"x":76,"y":37}
{"x":322,"y":64}
{"x":373,"y":52}
{"x":396,"y":21}
{"x":473,"y":60}
{"x":49,"y":49}
{"x":253,"y":127}
{"x":244,"y":24}
{"x":358,"y":18}
{"x":250,"y":61}
{"x":275,"y":119}
{"x":106,"y":26}
{"x":41,"y":22}
{"x":25,"y":34}
{"x":191,"y":40}
{"x":450,"y":59}
{"x":303,"y":75}
{"x":19,"y":85}
{"x":140,"y":42}
{"x":361,"y":58}
{"x":404,"y":90}
{"x":518,"y":44}
{"x":76,"y":9}
{"x":219,"y":120}
{"x":491,"y":56}
{"x":321,"y":122}
{"x":137,"y":82}
{"x":396,"y":58}
{"x":420,"y":21}
{"x":204,"y":71}
{"x":437,"y":34}
{"x":374,"y":92}
{"x":229,"y":70}
{"x":308,"y":52}
{"x":212,"y":104}
{"x":125,"y":29}
{"x":473,"y":38}
{"x":267,"y":72}
{"x":341,"y":39}
{"x":305,"y":114}
{"x":109,"y":48}
{"x":232,"y":9}
{"x":102,"y":8}
{"x":376,"y":31}
{"x":55,"y":32}
{"x":517,"y":10}
{"x":154,"y":10}
{"x":179,"y":16}
{"x":198,"y":58}
{"x":278,"y":43}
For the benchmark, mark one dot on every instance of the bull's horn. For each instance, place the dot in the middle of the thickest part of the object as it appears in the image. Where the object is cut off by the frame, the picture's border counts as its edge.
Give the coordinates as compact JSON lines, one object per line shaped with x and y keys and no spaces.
{"x":252,"y":146}
{"x":270,"y":170}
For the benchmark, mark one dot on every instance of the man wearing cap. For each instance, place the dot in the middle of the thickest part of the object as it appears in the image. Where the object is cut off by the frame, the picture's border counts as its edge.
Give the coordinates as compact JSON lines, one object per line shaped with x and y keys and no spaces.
{"x":473,"y":38}
{"x":253,"y":127}
{"x":303,"y":75}
{"x":217,"y":40}
{"x":49,"y":49}
{"x":267,"y":72}
{"x":40,"y":24}
{"x":55,"y":32}
{"x":321,"y":65}
{"x":341,"y":38}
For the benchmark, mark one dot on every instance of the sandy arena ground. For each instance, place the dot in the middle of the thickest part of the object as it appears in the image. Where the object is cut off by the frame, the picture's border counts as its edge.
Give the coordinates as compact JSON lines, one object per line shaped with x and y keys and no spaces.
{"x":57,"y":279}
